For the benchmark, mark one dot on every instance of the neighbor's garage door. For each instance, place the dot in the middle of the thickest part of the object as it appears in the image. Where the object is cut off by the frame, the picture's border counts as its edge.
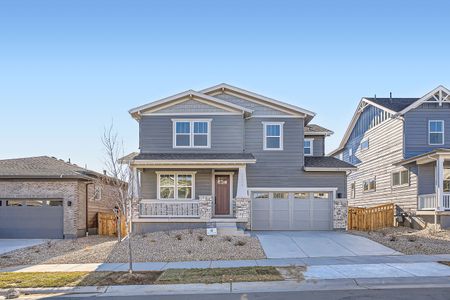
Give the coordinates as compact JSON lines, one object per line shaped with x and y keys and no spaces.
{"x":23,"y":218}
{"x":291,"y":211}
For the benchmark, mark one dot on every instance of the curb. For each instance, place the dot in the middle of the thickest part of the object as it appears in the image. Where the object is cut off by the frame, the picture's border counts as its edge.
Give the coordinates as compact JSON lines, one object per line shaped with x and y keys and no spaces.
{"x":246,"y":287}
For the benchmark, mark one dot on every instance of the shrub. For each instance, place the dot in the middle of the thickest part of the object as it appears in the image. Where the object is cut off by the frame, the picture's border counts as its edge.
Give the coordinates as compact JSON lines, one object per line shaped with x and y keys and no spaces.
{"x":240,"y":243}
{"x":412,"y":238}
{"x":190,"y":231}
{"x":178,"y":236}
{"x":392,"y":238}
{"x":228,"y":238}
{"x":200,"y":237}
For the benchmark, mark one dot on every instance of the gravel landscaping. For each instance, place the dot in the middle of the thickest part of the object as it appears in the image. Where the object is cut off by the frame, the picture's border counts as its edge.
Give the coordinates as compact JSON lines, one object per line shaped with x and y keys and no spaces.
{"x":410,"y":241}
{"x":179,"y":245}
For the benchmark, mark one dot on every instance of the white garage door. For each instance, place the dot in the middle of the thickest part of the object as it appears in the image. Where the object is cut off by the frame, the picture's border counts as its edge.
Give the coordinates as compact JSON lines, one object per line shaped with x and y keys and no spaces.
{"x":292,"y":210}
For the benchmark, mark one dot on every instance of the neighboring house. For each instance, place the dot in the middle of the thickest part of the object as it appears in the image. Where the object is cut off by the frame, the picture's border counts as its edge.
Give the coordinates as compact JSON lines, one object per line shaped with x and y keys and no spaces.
{"x":44,"y":197}
{"x":227,"y":155}
{"x":401,"y":147}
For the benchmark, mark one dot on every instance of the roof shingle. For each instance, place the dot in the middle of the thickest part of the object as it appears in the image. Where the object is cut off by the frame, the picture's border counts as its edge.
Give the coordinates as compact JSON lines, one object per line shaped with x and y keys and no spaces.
{"x":326,"y":162}
{"x":395,"y":104}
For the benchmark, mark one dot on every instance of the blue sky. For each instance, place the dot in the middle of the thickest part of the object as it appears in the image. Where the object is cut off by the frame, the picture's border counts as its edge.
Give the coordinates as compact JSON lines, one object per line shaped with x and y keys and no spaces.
{"x":67,"y":68}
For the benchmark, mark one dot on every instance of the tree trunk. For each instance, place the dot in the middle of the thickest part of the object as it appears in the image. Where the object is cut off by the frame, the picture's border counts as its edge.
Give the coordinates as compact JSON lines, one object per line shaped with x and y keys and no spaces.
{"x":130,"y":255}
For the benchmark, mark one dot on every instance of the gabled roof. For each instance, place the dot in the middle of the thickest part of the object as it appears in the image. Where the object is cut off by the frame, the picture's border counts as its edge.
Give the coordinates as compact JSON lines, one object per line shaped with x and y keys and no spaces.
{"x":189,"y":94}
{"x":313,"y":129}
{"x":251,"y":96}
{"x":395,"y":106}
{"x":43,"y":167}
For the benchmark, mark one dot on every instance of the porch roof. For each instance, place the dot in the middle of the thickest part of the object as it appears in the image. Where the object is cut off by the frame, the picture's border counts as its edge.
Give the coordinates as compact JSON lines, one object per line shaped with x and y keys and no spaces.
{"x":424,"y":157}
{"x":193,"y":158}
{"x":326,"y":163}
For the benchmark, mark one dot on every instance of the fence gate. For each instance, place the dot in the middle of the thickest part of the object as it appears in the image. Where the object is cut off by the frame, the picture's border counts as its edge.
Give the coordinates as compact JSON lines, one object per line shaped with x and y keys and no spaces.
{"x":371,"y":218}
{"x":107,"y":224}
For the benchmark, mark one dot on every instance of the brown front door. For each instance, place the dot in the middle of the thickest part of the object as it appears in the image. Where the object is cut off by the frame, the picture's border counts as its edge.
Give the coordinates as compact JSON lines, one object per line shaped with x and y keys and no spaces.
{"x":222,"y":188}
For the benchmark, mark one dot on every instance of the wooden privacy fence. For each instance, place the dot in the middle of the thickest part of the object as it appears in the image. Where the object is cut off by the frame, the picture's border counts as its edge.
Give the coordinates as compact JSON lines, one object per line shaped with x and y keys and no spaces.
{"x":371,"y":218}
{"x":107,"y":224}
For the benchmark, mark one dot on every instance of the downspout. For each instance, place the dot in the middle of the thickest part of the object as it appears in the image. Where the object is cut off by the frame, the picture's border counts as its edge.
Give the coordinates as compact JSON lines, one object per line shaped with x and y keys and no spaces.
{"x":87,"y":208}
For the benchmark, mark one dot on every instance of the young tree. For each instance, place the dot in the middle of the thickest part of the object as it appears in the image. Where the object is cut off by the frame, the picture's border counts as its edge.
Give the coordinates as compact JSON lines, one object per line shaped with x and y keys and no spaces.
{"x":125,"y":193}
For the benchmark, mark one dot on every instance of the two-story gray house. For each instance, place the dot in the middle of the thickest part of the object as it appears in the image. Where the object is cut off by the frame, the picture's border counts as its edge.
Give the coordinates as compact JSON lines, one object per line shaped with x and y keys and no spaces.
{"x":401,"y":147}
{"x":233,"y":157}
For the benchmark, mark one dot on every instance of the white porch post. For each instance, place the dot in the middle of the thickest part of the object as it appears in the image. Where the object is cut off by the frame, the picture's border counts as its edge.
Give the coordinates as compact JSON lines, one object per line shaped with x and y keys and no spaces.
{"x":242,"y":191}
{"x":440,"y":183}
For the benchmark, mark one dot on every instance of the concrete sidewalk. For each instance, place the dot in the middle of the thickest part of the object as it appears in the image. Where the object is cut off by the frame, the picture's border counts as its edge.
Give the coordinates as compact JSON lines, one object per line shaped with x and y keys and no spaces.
{"x":158,"y":266}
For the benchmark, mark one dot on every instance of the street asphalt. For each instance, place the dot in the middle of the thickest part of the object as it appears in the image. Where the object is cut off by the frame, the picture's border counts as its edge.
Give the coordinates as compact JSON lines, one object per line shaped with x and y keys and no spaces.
{"x":391,"y":294}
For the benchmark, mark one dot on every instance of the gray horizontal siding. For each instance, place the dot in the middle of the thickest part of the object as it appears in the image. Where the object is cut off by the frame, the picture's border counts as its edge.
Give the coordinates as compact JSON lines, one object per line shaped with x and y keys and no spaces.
{"x":416,"y":128}
{"x":426,"y":179}
{"x":191,"y":106}
{"x":318,"y":144}
{"x":258,"y":109}
{"x":156,"y":134}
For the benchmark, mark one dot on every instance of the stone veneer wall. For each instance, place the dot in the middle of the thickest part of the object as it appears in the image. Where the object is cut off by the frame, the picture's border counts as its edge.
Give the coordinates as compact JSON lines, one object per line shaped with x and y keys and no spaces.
{"x":340,"y":213}
{"x":67,"y":190}
{"x":205,"y":205}
{"x":242,"y":210}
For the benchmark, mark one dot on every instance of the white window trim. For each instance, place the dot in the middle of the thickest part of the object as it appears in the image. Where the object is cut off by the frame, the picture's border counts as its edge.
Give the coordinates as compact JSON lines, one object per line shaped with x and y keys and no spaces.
{"x":175,"y":192}
{"x":350,"y":152}
{"x":362,"y":141}
{"x":368,"y":181}
{"x":311,"y":140}
{"x":430,"y":132}
{"x":353,"y":190}
{"x":191,"y":133}
{"x":400,"y":179}
{"x":265,"y":136}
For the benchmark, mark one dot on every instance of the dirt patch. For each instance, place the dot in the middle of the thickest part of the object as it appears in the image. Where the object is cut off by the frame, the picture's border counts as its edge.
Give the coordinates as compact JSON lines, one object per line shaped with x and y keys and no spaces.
{"x":410,"y":241}
{"x":292,"y":273}
{"x":179,"y":245}
{"x":222,"y":275}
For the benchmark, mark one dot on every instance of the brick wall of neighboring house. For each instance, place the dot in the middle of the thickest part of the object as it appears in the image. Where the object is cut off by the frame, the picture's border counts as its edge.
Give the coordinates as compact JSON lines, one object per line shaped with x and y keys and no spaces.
{"x":67,"y":190}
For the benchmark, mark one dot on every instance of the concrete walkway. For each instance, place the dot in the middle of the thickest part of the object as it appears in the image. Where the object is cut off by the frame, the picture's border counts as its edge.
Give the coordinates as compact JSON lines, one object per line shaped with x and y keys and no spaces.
{"x":318,"y":266}
{"x":301,"y":244}
{"x":7,"y":245}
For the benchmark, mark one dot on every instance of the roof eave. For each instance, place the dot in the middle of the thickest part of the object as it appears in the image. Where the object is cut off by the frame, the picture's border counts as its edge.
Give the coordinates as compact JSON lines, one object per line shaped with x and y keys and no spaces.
{"x":325,"y":169}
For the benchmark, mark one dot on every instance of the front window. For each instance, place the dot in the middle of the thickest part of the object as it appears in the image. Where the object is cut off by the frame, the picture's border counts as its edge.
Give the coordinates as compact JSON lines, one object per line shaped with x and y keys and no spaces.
{"x":176,"y":186}
{"x":191,"y":134}
{"x":436,"y":132}
{"x":273,"y":135}
{"x":446,"y":180}
{"x":308,"y":147}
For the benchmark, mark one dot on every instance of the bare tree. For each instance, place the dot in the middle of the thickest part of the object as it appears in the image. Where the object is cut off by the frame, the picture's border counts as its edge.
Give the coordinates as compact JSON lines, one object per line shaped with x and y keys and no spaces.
{"x":123,"y":178}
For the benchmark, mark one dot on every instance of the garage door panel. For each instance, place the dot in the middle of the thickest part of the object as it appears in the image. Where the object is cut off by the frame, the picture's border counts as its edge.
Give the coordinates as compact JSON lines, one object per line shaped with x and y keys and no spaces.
{"x":31,"y":222}
{"x":293,"y":211}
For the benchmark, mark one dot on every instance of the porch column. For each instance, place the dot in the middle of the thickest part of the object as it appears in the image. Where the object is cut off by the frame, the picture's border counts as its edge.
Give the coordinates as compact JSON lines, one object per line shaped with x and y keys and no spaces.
{"x":242,"y":191}
{"x":440,"y":183}
{"x":133,"y":186}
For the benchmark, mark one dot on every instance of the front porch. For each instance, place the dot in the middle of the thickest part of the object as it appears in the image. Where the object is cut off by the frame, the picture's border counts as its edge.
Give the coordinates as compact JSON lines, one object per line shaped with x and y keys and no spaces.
{"x":182,"y":192}
{"x":430,"y":202}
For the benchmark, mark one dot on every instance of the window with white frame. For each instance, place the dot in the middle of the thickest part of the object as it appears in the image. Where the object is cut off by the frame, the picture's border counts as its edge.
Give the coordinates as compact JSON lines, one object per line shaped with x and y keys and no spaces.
{"x":369,"y":185}
{"x":173,"y":186}
{"x":400,"y":178}
{"x":435,"y":132}
{"x":364,"y":144}
{"x":353,"y":190}
{"x":191,"y":133}
{"x":273,"y":135}
{"x":350,"y":152}
{"x":308,"y":146}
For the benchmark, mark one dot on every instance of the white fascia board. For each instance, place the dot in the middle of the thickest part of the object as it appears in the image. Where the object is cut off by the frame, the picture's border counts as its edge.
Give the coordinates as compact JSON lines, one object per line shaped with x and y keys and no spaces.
{"x":185,"y":94}
{"x":320,"y":133}
{"x":224,"y":86}
{"x":306,"y":189}
{"x":379,"y":106}
{"x":424,"y":98}
{"x":316,"y":169}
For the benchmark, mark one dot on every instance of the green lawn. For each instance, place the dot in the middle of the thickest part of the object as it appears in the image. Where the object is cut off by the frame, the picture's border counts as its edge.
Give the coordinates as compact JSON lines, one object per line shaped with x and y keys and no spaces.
{"x":171,"y":276}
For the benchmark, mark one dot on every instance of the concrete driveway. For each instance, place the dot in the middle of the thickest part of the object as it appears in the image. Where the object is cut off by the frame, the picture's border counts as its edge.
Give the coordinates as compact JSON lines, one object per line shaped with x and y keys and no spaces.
{"x":7,"y":245}
{"x":300,"y":244}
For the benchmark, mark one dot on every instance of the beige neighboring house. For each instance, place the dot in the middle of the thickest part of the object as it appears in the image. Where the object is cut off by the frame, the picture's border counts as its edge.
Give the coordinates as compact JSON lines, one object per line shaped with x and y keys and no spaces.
{"x":44,"y":197}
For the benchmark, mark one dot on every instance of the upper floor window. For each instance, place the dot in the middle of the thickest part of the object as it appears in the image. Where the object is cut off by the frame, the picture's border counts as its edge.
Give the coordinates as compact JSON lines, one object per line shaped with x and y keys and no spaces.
{"x":364,"y":144}
{"x":191,"y":133}
{"x":308,"y":147}
{"x":435,"y":132}
{"x":273,"y":135}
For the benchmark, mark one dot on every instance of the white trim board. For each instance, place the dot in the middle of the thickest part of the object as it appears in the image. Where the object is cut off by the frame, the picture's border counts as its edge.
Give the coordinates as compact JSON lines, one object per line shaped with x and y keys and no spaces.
{"x":265,"y":124}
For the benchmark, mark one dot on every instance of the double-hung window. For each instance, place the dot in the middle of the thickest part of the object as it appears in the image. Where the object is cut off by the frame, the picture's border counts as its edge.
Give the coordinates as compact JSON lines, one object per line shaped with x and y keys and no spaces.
{"x":273,"y":135}
{"x":400,"y":178}
{"x":308,"y":147}
{"x":191,"y":133}
{"x":173,"y":186}
{"x":369,"y":185}
{"x":436,"y":132}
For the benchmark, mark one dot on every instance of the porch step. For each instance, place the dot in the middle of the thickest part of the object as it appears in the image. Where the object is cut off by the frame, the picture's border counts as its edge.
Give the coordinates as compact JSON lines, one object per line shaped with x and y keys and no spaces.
{"x":229,"y":228}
